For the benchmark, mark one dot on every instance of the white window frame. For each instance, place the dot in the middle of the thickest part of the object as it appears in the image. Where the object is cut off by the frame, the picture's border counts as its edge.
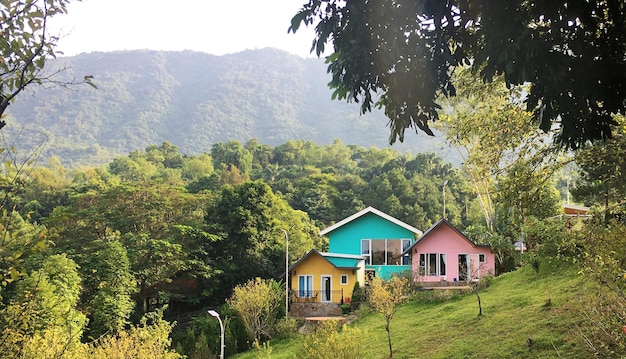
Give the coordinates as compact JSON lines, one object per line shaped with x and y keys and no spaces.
{"x":341,"y":279}
{"x":403,"y":241}
{"x":368,"y":256}
{"x":425,"y":270}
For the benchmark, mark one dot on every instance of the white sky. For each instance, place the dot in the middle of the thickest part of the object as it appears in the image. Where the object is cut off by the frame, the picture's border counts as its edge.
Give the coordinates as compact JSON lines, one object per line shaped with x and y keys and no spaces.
{"x":214,"y":26}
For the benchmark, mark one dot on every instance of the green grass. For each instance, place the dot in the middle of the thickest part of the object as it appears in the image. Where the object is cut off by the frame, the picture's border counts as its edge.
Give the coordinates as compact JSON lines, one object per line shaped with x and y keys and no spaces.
{"x":514,"y":310}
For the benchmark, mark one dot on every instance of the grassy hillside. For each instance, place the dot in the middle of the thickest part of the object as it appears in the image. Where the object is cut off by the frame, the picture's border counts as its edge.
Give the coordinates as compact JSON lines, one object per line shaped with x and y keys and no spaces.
{"x":544,"y":307}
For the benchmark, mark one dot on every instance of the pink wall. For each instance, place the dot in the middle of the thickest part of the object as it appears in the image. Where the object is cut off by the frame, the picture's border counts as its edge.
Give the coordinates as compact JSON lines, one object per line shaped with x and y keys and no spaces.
{"x":444,"y":239}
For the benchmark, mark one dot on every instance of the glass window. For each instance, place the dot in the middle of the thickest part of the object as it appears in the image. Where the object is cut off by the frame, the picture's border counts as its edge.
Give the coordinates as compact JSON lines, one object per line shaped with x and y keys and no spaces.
{"x":378,"y":252}
{"x":394,"y":252}
{"x":481,"y":258}
{"x":305,"y":286}
{"x":432,"y":264}
{"x":366,"y":251}
{"x":406,"y":259}
{"x":344,"y":279}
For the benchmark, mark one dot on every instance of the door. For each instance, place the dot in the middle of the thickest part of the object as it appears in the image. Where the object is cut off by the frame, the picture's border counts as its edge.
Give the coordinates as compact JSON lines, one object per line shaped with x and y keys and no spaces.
{"x":463,"y":267}
{"x":326,"y":288}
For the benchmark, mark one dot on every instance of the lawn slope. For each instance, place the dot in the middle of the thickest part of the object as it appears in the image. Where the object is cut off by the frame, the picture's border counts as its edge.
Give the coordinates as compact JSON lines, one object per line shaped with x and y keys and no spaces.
{"x":525,"y":315}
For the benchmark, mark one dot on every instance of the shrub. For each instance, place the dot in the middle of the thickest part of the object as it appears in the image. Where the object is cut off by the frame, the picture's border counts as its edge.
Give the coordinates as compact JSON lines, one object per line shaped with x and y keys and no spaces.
{"x":327,"y":339}
{"x":345,"y":308}
{"x":286,"y":328}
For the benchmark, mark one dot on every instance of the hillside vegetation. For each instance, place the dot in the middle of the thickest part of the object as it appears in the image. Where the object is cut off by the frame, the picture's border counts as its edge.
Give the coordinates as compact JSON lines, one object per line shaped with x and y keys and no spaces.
{"x":192,"y":100}
{"x":525,"y":315}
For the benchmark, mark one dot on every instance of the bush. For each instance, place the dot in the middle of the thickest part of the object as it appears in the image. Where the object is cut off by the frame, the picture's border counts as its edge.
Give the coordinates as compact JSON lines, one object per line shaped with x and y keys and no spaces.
{"x":346,"y":308}
{"x":327,"y":339}
{"x":286,"y":328}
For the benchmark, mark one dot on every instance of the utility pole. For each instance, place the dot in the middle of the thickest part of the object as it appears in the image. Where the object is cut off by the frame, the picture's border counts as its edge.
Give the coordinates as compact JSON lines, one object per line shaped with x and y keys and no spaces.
{"x":286,"y":273}
{"x":443,"y":190}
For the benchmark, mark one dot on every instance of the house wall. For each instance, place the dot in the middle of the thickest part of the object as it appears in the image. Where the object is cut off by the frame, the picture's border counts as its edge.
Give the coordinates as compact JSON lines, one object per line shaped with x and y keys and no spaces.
{"x":347,"y":239}
{"x":444,"y":239}
{"x":316,"y":266}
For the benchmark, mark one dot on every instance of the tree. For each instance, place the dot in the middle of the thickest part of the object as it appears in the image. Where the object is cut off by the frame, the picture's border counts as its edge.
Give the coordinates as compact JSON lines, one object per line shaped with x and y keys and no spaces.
{"x":257,"y":303}
{"x":249,"y":218}
{"x":112,"y":304}
{"x":385,"y":297}
{"x":602,"y":178}
{"x":45,"y":305}
{"x":25,"y":45}
{"x":572,"y":54}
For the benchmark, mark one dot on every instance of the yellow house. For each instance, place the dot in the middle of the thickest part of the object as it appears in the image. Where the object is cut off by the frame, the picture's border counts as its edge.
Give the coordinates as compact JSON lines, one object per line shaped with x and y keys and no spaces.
{"x":320,"y":277}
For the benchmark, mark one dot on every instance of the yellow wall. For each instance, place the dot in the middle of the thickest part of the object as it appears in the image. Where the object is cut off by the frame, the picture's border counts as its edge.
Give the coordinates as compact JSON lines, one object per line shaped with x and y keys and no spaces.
{"x":316,"y":266}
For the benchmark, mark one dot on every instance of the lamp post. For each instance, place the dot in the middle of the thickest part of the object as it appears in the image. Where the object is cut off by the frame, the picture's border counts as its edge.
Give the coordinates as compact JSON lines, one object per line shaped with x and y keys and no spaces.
{"x":215,"y":314}
{"x":286,"y":273}
{"x":443,"y":186}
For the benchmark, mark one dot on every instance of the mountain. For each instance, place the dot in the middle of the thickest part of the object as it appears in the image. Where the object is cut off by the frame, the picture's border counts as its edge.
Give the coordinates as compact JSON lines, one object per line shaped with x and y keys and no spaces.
{"x":192,"y":100}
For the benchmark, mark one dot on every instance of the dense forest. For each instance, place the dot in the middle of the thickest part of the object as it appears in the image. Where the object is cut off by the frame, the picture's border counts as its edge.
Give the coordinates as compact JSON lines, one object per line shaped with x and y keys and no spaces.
{"x":158,"y":227}
{"x":192,"y":100}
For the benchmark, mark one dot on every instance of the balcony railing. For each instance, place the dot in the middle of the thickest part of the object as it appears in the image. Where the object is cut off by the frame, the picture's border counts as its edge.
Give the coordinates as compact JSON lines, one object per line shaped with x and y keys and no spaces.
{"x":317,"y":296}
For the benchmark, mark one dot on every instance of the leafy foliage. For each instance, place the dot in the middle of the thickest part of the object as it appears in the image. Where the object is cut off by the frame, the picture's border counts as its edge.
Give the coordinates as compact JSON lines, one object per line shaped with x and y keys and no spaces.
{"x":144,"y":97}
{"x":386,"y":297}
{"x":257,"y":302}
{"x":328,"y":339}
{"x":407,"y":52}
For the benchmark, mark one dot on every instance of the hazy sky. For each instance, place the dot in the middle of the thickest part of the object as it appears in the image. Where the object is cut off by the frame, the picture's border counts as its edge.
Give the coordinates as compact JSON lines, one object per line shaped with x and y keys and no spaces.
{"x":213,"y":26}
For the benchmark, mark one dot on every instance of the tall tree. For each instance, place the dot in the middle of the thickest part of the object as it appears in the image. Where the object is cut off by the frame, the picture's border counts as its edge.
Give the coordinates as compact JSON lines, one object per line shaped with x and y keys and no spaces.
{"x":572,"y":54}
{"x":493,"y":134}
{"x":250,"y":218}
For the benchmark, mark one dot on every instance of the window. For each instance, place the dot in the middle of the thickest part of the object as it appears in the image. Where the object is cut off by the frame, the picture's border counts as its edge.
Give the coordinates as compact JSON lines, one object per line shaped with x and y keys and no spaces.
{"x":378,"y":252}
{"x":385,"y":251}
{"x":406,"y":260}
{"x":481,"y":258}
{"x":366,"y":250}
{"x":432,"y":264}
{"x":344,"y":279}
{"x":305,"y":286}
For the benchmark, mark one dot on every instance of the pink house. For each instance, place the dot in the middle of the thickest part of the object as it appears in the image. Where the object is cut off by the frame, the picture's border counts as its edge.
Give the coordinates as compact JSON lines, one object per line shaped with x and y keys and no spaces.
{"x":443,"y":254}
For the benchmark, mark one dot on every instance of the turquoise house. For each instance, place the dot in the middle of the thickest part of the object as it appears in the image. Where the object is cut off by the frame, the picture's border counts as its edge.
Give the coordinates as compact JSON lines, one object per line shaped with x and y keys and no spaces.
{"x":376,"y":236}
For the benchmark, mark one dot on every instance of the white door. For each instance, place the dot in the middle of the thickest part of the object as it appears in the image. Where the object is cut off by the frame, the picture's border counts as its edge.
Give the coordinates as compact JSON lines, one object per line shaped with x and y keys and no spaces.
{"x":326,"y":288}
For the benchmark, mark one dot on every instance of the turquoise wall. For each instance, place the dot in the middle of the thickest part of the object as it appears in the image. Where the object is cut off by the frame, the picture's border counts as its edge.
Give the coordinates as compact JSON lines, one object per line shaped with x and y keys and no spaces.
{"x":347,"y":239}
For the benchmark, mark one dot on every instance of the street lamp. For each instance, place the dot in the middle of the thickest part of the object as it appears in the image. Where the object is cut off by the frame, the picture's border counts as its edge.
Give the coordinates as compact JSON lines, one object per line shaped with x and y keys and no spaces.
{"x":286,"y":273}
{"x":443,"y":190}
{"x":215,"y":314}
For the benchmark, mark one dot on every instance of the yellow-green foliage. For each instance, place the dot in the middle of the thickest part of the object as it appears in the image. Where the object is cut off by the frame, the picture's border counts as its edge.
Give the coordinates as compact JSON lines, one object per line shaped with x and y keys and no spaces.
{"x":385,"y":298}
{"x":141,"y":342}
{"x":327,"y":342}
{"x":257,"y":303}
{"x":145,"y":341}
{"x":262,"y":351}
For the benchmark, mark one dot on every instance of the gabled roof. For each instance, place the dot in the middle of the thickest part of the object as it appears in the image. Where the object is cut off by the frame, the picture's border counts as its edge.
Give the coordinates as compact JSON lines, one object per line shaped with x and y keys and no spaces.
{"x":432,"y":228}
{"x":373,"y":211}
{"x":341,"y":261}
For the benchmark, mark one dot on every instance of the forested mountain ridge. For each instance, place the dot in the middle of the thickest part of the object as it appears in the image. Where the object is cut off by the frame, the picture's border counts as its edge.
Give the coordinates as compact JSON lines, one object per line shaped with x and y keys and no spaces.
{"x":192,"y":100}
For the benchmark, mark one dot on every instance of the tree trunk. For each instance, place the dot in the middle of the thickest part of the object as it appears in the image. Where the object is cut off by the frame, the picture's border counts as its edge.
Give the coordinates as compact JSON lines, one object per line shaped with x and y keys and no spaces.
{"x":389,"y":339}
{"x":480,"y":307}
